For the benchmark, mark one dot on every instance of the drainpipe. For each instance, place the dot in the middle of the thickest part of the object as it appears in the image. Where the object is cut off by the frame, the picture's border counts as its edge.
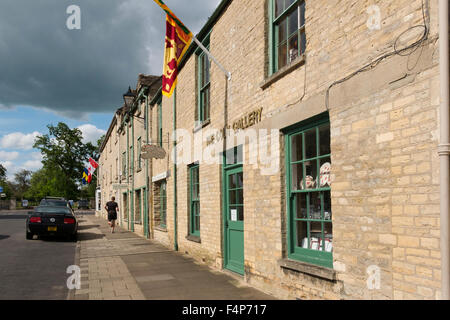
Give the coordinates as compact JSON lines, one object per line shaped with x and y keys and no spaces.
{"x":147,"y":184}
{"x":132,"y":171}
{"x":128,"y":175}
{"x":175,"y":204}
{"x":444,"y":146}
{"x":151,"y":217}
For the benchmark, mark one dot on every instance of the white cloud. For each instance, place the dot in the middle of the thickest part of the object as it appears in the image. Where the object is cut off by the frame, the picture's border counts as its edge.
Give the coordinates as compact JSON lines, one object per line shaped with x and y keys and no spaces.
{"x":19,"y":140}
{"x":36,"y":156}
{"x":32,"y":165}
{"x":8,"y":156}
{"x":91,"y":133}
{"x":10,"y":169}
{"x":13,"y":166}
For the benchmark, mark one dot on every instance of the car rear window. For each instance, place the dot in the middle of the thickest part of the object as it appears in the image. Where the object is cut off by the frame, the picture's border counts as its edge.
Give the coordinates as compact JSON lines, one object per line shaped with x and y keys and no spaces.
{"x":53,"y":210}
{"x":54,"y":203}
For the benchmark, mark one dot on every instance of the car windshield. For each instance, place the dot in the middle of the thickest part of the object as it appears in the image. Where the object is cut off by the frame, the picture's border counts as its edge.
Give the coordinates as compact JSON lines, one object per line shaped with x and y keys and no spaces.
{"x":53,"y":210}
{"x":54,"y":203}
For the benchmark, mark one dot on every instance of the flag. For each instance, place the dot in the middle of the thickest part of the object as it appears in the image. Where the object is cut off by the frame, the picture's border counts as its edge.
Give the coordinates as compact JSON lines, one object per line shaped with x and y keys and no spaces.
{"x":93,"y":163}
{"x":90,"y":169}
{"x":178,"y":39}
{"x":85,"y":176}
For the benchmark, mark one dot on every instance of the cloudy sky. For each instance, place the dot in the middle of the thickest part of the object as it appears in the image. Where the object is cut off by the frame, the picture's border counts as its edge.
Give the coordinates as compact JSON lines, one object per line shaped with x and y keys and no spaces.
{"x":49,"y":73}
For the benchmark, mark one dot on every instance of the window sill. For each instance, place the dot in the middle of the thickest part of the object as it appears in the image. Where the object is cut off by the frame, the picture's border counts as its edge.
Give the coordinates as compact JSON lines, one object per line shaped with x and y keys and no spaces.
{"x":161,"y":229}
{"x":194,"y":238}
{"x":201,"y":126}
{"x":310,"y":269}
{"x":283,"y":71}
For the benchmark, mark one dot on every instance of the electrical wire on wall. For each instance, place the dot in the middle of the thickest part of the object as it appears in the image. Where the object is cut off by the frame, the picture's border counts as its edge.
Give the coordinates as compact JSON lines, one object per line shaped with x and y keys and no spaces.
{"x":407,"y":51}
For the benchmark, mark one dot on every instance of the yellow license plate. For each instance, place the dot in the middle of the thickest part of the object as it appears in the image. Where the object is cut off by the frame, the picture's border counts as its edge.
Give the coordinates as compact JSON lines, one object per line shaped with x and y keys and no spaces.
{"x":52,"y":229}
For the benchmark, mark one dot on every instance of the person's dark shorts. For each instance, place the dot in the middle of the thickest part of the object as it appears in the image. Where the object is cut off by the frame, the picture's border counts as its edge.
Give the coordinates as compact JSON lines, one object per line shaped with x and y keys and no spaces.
{"x":112,"y":216}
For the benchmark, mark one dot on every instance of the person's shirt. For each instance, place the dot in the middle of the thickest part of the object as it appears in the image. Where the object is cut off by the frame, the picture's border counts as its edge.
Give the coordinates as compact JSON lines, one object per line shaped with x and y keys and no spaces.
{"x":112,"y":206}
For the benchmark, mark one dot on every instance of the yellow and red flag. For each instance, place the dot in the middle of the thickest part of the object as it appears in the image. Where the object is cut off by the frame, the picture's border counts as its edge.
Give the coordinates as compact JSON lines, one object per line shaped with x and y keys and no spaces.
{"x":178,"y":39}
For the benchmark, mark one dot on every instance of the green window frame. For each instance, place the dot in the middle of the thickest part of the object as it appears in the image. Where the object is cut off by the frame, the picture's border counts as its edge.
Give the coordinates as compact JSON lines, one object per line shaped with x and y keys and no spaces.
{"x":163,"y":204}
{"x":124,"y":164}
{"x":160,"y":128}
{"x":138,"y":206}
{"x":194,"y":186}
{"x":139,"y":143}
{"x":204,"y":84}
{"x":287,"y":32}
{"x":131,"y":156}
{"x":125,"y":206}
{"x":309,"y":223}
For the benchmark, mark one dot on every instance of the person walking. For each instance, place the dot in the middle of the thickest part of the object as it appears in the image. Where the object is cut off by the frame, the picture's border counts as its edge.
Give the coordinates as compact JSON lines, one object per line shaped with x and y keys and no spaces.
{"x":112,"y":207}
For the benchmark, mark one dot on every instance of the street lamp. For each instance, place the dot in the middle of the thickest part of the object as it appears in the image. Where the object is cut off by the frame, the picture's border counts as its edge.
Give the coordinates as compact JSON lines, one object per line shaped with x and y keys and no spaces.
{"x":128,"y":98}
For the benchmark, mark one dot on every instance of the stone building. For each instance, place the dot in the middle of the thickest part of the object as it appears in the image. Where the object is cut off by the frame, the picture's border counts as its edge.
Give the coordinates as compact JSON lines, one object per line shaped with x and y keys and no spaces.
{"x":123,"y":173}
{"x":313,"y":172}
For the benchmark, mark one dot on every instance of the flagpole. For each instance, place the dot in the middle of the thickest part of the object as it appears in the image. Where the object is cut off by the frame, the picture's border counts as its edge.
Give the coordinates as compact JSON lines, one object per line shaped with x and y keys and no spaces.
{"x":228,"y":74}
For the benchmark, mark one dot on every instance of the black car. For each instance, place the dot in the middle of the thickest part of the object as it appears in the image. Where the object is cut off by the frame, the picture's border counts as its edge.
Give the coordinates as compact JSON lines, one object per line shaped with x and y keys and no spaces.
{"x":52,"y":221}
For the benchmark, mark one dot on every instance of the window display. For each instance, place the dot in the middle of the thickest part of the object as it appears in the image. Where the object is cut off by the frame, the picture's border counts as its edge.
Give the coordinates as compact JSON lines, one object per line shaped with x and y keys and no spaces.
{"x":310,"y":193}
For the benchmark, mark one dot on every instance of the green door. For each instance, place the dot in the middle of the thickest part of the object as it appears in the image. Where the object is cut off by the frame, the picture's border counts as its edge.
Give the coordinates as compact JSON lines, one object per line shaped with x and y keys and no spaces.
{"x":234,"y":220}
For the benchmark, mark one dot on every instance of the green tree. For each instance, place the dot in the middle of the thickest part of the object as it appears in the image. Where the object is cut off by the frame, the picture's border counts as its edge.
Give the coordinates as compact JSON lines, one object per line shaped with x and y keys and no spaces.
{"x":88,"y":191}
{"x":46,"y":182}
{"x":4,"y":183}
{"x":64,"y":157}
{"x":21,"y":183}
{"x":2,"y":173}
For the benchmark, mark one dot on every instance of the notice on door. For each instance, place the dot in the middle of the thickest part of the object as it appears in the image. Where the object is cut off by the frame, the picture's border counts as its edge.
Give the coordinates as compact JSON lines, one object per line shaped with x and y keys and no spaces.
{"x":233,"y":215}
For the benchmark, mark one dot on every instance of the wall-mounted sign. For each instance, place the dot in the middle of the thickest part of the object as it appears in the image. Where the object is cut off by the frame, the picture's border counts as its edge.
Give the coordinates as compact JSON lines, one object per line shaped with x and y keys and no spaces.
{"x":161,"y":176}
{"x":248,"y":120}
{"x":1,"y":189}
{"x":118,"y":186}
{"x":151,"y":151}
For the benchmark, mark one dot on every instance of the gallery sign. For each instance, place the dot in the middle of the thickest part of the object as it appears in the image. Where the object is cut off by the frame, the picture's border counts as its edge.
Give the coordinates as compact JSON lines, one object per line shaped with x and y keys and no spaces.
{"x":248,"y":120}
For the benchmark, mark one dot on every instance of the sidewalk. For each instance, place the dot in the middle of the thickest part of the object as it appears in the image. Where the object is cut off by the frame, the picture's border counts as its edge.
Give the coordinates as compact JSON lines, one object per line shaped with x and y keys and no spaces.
{"x":124,"y":266}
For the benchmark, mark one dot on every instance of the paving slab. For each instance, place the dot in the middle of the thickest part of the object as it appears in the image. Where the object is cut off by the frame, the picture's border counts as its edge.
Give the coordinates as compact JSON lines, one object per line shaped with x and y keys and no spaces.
{"x":124,"y":266}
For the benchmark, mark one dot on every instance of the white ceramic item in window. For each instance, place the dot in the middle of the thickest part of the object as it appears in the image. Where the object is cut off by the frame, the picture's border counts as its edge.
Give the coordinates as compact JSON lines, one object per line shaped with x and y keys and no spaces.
{"x":310,"y":183}
{"x":314,"y":243}
{"x":325,"y":175}
{"x":328,"y":245}
{"x":305,"y":243}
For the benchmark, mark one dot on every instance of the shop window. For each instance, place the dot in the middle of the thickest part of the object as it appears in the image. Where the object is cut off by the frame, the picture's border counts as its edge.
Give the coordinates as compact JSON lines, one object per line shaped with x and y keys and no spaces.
{"x":131,"y":158}
{"x":125,"y":206}
{"x":194,"y":186}
{"x":310,"y":230}
{"x":204,"y":66}
{"x":124,"y":165}
{"x":288,"y":32}
{"x":138,"y":207}
{"x":139,"y":143}
{"x":160,"y":204}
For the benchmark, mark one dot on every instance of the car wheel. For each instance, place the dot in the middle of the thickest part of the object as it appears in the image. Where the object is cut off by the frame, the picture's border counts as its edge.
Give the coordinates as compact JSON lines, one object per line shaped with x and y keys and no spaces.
{"x":73,"y":238}
{"x":29,"y":236}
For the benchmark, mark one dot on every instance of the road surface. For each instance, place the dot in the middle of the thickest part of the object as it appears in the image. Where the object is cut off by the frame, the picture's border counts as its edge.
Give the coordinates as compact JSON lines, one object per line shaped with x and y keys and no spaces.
{"x":31,"y":269}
